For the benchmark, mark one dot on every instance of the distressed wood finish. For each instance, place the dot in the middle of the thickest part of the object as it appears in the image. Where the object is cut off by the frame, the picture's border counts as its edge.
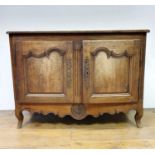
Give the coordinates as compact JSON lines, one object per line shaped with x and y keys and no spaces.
{"x":46,"y":71}
{"x":113,"y":70}
{"x":78,"y":73}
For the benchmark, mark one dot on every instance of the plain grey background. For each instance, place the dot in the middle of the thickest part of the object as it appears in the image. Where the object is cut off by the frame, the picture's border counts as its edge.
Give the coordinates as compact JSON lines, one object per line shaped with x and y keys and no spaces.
{"x":15,"y":18}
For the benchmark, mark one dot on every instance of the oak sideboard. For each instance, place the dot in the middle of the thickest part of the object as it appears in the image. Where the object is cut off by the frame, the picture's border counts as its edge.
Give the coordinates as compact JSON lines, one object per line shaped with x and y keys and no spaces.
{"x":78,"y":73}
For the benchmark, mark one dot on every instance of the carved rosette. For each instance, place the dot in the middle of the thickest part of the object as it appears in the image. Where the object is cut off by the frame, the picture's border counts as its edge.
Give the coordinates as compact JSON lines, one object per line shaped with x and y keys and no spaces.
{"x":77,"y":45}
{"x":78,"y":111}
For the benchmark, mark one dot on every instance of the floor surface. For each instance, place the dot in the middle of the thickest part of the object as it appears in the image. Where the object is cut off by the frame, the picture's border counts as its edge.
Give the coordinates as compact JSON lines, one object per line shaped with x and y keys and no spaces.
{"x":107,"y":131}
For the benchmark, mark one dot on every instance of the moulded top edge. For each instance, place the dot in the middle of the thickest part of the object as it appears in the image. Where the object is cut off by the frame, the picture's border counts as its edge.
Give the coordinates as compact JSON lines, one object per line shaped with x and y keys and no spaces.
{"x":80,"y":31}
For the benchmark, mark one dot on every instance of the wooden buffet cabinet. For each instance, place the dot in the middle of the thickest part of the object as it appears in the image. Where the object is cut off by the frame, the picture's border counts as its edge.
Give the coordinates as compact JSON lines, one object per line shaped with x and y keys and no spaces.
{"x":78,"y":73}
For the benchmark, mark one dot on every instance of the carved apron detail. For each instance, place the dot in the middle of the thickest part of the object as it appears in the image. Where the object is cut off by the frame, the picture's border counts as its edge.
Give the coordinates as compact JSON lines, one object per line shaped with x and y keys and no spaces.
{"x":78,"y":111}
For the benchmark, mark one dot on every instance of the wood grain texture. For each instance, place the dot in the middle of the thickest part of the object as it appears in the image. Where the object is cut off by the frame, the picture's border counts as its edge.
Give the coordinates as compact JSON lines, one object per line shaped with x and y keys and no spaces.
{"x":40,"y":73}
{"x":110,"y":75}
{"x":44,"y":72}
{"x":113,"y":74}
{"x":78,"y":74}
{"x":108,"y":131}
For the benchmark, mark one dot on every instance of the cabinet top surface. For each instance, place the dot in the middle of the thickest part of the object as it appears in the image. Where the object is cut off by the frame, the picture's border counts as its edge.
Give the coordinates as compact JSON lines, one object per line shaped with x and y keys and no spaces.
{"x":79,"y":31}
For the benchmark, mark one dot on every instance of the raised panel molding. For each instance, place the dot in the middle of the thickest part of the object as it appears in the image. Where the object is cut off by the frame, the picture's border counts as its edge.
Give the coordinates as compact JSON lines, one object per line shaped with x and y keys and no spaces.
{"x":46,"y":53}
{"x":111,"y":53}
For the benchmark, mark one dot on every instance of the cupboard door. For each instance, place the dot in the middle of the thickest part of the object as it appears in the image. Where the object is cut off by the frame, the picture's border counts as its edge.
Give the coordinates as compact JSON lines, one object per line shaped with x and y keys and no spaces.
{"x":44,"y":71}
{"x":111,"y":71}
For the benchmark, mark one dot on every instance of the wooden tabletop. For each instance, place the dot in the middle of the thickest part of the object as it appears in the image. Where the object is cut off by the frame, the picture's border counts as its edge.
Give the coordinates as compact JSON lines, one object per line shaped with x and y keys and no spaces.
{"x":81,"y":31}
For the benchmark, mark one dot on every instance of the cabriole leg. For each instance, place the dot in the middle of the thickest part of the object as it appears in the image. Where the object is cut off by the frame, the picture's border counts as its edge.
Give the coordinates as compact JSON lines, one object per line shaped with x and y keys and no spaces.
{"x":138,"y":117}
{"x":20,"y":117}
